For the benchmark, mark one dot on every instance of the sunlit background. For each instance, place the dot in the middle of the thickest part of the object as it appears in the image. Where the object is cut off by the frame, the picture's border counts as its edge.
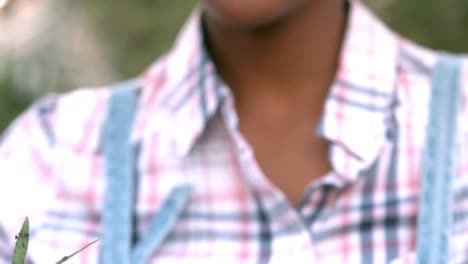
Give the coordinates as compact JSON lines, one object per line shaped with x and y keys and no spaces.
{"x":57,"y":45}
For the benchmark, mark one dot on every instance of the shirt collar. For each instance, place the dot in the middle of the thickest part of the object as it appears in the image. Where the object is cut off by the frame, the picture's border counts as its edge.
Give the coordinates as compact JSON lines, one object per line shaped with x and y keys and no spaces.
{"x":182,"y":91}
{"x":361,"y":99}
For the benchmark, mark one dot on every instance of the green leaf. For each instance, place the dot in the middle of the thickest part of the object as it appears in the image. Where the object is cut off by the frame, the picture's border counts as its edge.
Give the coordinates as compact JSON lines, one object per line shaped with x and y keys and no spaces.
{"x":22,"y":241}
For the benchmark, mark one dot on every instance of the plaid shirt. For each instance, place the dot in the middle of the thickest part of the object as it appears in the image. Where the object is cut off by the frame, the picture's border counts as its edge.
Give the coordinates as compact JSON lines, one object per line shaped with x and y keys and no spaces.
{"x":186,"y":131}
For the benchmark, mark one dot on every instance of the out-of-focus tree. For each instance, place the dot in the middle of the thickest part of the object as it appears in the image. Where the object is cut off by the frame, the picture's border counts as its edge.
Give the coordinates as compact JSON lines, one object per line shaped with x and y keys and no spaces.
{"x":45,"y":47}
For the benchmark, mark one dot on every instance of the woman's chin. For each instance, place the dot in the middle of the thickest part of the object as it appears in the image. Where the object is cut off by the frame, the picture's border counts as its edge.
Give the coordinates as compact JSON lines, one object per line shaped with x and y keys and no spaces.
{"x":248,"y":13}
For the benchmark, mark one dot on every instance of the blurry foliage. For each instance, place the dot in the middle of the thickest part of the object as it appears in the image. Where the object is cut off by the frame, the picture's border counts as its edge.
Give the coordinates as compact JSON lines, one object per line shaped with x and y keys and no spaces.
{"x":436,"y":24}
{"x":135,"y":33}
{"x":11,"y":102}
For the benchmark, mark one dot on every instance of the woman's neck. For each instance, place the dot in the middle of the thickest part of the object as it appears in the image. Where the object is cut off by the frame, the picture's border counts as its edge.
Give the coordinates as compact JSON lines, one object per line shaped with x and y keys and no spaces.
{"x":299,"y":52}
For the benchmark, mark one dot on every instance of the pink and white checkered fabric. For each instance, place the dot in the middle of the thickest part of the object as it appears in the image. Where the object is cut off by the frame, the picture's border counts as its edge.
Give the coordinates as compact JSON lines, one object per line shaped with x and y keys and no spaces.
{"x":364,"y":211}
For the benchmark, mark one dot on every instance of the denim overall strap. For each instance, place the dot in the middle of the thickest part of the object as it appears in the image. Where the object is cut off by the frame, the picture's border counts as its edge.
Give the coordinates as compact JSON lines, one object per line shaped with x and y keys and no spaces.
{"x":435,"y":212}
{"x":163,"y":221}
{"x":118,"y":166}
{"x":119,"y":201}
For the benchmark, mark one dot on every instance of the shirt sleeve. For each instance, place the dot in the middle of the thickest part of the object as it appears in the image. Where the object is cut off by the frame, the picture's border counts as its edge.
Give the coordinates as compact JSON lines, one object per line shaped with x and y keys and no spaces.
{"x":26,"y":172}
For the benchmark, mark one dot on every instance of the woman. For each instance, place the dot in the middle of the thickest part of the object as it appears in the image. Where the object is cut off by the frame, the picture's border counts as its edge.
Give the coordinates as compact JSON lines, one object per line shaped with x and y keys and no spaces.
{"x":290,"y":131}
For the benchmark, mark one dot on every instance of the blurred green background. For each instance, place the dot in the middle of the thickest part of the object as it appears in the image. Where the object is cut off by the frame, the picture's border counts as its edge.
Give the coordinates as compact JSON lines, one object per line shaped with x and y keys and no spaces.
{"x":56,"y":45}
